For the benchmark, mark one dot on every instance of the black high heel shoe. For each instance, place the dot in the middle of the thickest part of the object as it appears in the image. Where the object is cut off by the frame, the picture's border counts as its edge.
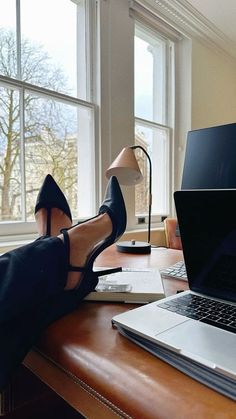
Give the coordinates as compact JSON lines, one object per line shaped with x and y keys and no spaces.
{"x":50,"y":196}
{"x":114,"y":206}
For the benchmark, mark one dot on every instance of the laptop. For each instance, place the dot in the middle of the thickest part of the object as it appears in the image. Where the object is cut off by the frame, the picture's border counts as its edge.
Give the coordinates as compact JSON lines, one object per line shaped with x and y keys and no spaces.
{"x":199,"y":325}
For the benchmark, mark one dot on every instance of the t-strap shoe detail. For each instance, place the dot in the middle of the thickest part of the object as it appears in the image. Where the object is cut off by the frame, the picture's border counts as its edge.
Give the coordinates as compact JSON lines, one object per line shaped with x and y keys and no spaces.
{"x":114,"y":206}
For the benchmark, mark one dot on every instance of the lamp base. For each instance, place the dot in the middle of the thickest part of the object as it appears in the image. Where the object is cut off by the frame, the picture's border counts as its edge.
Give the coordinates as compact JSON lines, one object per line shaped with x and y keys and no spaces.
{"x":134,"y":246}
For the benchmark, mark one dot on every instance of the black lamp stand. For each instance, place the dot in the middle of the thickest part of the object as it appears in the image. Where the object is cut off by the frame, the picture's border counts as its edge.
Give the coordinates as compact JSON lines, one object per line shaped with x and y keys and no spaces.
{"x":134,"y":246}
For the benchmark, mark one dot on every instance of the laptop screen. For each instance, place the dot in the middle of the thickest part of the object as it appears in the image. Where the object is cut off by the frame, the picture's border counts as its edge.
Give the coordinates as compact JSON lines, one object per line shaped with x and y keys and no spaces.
{"x":207,"y":222}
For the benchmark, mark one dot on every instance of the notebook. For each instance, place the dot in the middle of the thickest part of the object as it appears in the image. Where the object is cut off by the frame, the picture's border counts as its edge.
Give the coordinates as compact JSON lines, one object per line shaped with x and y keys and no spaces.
{"x":136,"y":286}
{"x":196,"y":330}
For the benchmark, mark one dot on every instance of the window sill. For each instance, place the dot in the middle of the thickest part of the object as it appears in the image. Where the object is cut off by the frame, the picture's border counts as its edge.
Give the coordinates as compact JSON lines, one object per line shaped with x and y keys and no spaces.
{"x":8,"y":243}
{"x":157,"y":236}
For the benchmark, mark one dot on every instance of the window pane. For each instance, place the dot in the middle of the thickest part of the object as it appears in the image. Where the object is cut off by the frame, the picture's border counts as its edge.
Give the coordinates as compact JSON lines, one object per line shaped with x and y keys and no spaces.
{"x":8,"y":14}
{"x":8,"y":66}
{"x":49,"y":44}
{"x":53,"y":132}
{"x":10,"y":178}
{"x":155,"y":141}
{"x":150,"y":75}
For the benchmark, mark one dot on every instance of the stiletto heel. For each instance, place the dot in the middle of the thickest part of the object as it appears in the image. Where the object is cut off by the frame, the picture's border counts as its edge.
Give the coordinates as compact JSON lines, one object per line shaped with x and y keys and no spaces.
{"x":114,"y":206}
{"x":50,"y":196}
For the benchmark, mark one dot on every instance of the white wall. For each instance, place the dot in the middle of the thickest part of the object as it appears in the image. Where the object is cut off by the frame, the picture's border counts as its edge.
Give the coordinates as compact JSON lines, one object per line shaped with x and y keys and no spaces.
{"x":117,"y":86}
{"x":183,"y":105}
{"x":206,"y":94}
{"x":213,"y":88}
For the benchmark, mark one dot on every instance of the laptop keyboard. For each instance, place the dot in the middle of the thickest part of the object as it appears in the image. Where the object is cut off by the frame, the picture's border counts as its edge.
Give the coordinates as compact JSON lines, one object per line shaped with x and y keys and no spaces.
{"x":176,"y":271}
{"x":205,"y":310}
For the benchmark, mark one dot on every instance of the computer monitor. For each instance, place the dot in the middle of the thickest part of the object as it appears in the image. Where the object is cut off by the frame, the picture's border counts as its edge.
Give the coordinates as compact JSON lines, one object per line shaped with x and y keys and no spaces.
{"x":210,"y":158}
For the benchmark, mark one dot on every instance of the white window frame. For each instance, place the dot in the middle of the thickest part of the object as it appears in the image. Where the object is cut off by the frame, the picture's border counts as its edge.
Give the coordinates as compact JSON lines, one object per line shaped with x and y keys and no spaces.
{"x":18,"y":230}
{"x":16,"y":227}
{"x":142,"y":19}
{"x":116,"y":60}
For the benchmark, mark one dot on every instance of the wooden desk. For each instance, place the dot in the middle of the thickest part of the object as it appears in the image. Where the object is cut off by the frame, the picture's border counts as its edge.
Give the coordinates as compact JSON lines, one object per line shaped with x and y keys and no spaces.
{"x":103,"y":375}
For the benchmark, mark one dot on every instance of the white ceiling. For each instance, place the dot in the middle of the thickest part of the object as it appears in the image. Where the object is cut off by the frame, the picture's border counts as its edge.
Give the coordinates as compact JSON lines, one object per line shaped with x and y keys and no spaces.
{"x":211,"y":21}
{"x":222,"y":13}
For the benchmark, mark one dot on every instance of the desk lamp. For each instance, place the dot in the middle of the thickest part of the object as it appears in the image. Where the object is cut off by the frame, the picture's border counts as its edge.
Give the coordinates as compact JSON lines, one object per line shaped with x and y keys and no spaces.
{"x":125,"y":167}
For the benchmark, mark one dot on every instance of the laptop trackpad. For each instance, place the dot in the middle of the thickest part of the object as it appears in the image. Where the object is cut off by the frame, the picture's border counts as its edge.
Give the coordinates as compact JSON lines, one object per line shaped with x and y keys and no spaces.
{"x":201,"y":342}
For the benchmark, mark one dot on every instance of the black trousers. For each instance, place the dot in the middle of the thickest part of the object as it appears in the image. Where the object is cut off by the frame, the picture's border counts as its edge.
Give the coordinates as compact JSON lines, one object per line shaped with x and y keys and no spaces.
{"x":32,"y":281}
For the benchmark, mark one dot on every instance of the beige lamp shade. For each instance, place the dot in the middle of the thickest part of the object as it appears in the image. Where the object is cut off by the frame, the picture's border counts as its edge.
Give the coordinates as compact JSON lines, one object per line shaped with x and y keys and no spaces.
{"x":125,"y":167}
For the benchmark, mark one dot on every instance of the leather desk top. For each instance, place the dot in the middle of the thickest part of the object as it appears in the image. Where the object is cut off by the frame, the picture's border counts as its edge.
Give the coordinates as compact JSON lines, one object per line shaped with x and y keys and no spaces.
{"x":126,"y":379}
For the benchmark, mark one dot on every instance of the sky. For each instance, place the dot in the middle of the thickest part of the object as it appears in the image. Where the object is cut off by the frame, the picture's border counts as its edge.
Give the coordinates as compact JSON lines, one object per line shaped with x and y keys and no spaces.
{"x":143,"y":79}
{"x":50,"y":23}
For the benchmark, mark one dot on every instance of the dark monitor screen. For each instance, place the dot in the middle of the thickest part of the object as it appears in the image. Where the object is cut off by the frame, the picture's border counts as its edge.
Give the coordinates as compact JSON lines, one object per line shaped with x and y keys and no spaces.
{"x":210,"y":158}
